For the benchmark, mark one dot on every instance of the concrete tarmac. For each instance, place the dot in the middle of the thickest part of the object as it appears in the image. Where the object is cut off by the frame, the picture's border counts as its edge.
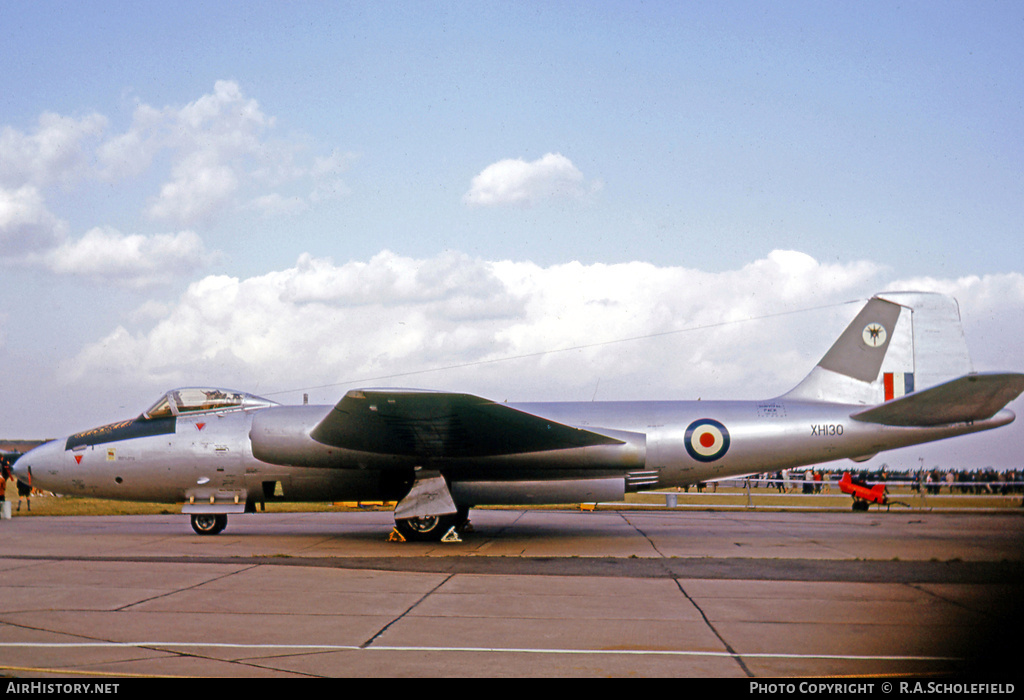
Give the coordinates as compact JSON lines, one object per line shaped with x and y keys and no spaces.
{"x":527,"y":593}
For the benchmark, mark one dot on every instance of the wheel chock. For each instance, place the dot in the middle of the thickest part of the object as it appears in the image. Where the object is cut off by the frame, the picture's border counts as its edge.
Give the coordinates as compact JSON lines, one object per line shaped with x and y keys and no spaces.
{"x":451,"y":535}
{"x":395,"y":536}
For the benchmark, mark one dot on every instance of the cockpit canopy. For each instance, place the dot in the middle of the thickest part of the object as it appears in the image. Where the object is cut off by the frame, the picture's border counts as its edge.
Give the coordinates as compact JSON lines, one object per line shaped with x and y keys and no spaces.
{"x":203,"y":399}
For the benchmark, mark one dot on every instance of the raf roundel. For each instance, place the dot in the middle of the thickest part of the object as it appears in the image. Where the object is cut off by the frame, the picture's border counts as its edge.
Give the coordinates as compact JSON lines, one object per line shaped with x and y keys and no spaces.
{"x":706,"y":440}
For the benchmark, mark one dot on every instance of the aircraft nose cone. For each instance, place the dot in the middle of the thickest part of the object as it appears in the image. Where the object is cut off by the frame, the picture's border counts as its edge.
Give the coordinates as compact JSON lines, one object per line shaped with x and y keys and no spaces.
{"x":20,"y":470}
{"x":39,"y":456}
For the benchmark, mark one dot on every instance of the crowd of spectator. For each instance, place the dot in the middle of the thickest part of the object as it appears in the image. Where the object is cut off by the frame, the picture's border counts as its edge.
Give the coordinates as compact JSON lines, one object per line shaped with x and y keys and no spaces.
{"x":934,"y":481}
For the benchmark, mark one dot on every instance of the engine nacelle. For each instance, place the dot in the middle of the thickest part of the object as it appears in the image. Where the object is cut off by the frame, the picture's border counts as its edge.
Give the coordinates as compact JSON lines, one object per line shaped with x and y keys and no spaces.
{"x":280,"y":435}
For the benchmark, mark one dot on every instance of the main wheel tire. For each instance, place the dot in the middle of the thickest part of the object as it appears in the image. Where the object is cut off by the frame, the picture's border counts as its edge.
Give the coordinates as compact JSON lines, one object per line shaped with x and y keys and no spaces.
{"x":209,"y":524}
{"x":860,"y":506}
{"x":430,"y":529}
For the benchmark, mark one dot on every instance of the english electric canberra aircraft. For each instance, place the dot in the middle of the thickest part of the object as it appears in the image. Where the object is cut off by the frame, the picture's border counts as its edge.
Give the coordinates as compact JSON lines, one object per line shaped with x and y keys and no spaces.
{"x":898,"y":375}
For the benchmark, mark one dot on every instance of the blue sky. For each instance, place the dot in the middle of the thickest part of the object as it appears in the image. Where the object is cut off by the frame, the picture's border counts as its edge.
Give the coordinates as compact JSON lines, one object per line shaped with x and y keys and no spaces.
{"x":166,"y":170}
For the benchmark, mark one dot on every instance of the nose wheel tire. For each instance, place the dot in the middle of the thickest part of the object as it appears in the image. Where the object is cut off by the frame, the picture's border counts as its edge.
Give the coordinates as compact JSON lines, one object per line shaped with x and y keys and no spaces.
{"x":208,"y":524}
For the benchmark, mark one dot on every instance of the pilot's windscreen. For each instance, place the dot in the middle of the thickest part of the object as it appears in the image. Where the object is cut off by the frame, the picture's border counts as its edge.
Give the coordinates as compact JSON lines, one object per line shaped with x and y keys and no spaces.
{"x":161,"y":409}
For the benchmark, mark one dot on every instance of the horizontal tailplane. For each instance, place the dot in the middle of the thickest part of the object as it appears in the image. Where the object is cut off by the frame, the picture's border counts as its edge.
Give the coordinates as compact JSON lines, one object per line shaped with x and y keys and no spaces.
{"x":973,"y":397}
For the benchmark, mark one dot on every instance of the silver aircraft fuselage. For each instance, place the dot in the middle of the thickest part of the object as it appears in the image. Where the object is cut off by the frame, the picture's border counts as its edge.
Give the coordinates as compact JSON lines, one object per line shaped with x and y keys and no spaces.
{"x":236,"y":454}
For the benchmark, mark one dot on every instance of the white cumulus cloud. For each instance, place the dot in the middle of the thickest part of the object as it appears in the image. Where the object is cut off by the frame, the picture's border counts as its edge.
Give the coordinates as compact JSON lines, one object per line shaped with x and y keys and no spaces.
{"x":201,"y":184}
{"x":105,"y":254}
{"x":26,"y":225}
{"x":219,"y":154}
{"x":216,"y":140}
{"x":223,"y":156}
{"x":319,"y":322}
{"x":517,"y":182}
{"x":58,"y":150}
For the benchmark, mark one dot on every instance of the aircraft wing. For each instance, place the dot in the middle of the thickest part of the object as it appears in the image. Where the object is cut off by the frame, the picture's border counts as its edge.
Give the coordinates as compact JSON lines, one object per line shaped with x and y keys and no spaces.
{"x":438,"y":425}
{"x":969,"y":398}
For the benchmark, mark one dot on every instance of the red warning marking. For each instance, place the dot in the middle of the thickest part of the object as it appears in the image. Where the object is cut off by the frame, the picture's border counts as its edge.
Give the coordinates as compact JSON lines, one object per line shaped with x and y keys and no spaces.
{"x":200,"y":426}
{"x":78,"y":459}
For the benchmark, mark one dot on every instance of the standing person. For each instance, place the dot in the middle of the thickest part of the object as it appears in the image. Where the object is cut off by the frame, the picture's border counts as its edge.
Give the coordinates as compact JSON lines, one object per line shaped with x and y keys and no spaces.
{"x":3,"y":484}
{"x":24,"y":491}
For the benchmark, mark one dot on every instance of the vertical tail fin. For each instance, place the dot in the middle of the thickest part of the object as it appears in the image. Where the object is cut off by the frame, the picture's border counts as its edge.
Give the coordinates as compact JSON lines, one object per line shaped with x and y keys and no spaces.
{"x":898,"y":343}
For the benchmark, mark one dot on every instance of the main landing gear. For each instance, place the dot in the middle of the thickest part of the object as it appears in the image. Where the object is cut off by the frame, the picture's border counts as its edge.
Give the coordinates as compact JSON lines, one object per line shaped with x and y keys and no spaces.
{"x":432,"y":528}
{"x":208,"y":523}
{"x":428,"y":513}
